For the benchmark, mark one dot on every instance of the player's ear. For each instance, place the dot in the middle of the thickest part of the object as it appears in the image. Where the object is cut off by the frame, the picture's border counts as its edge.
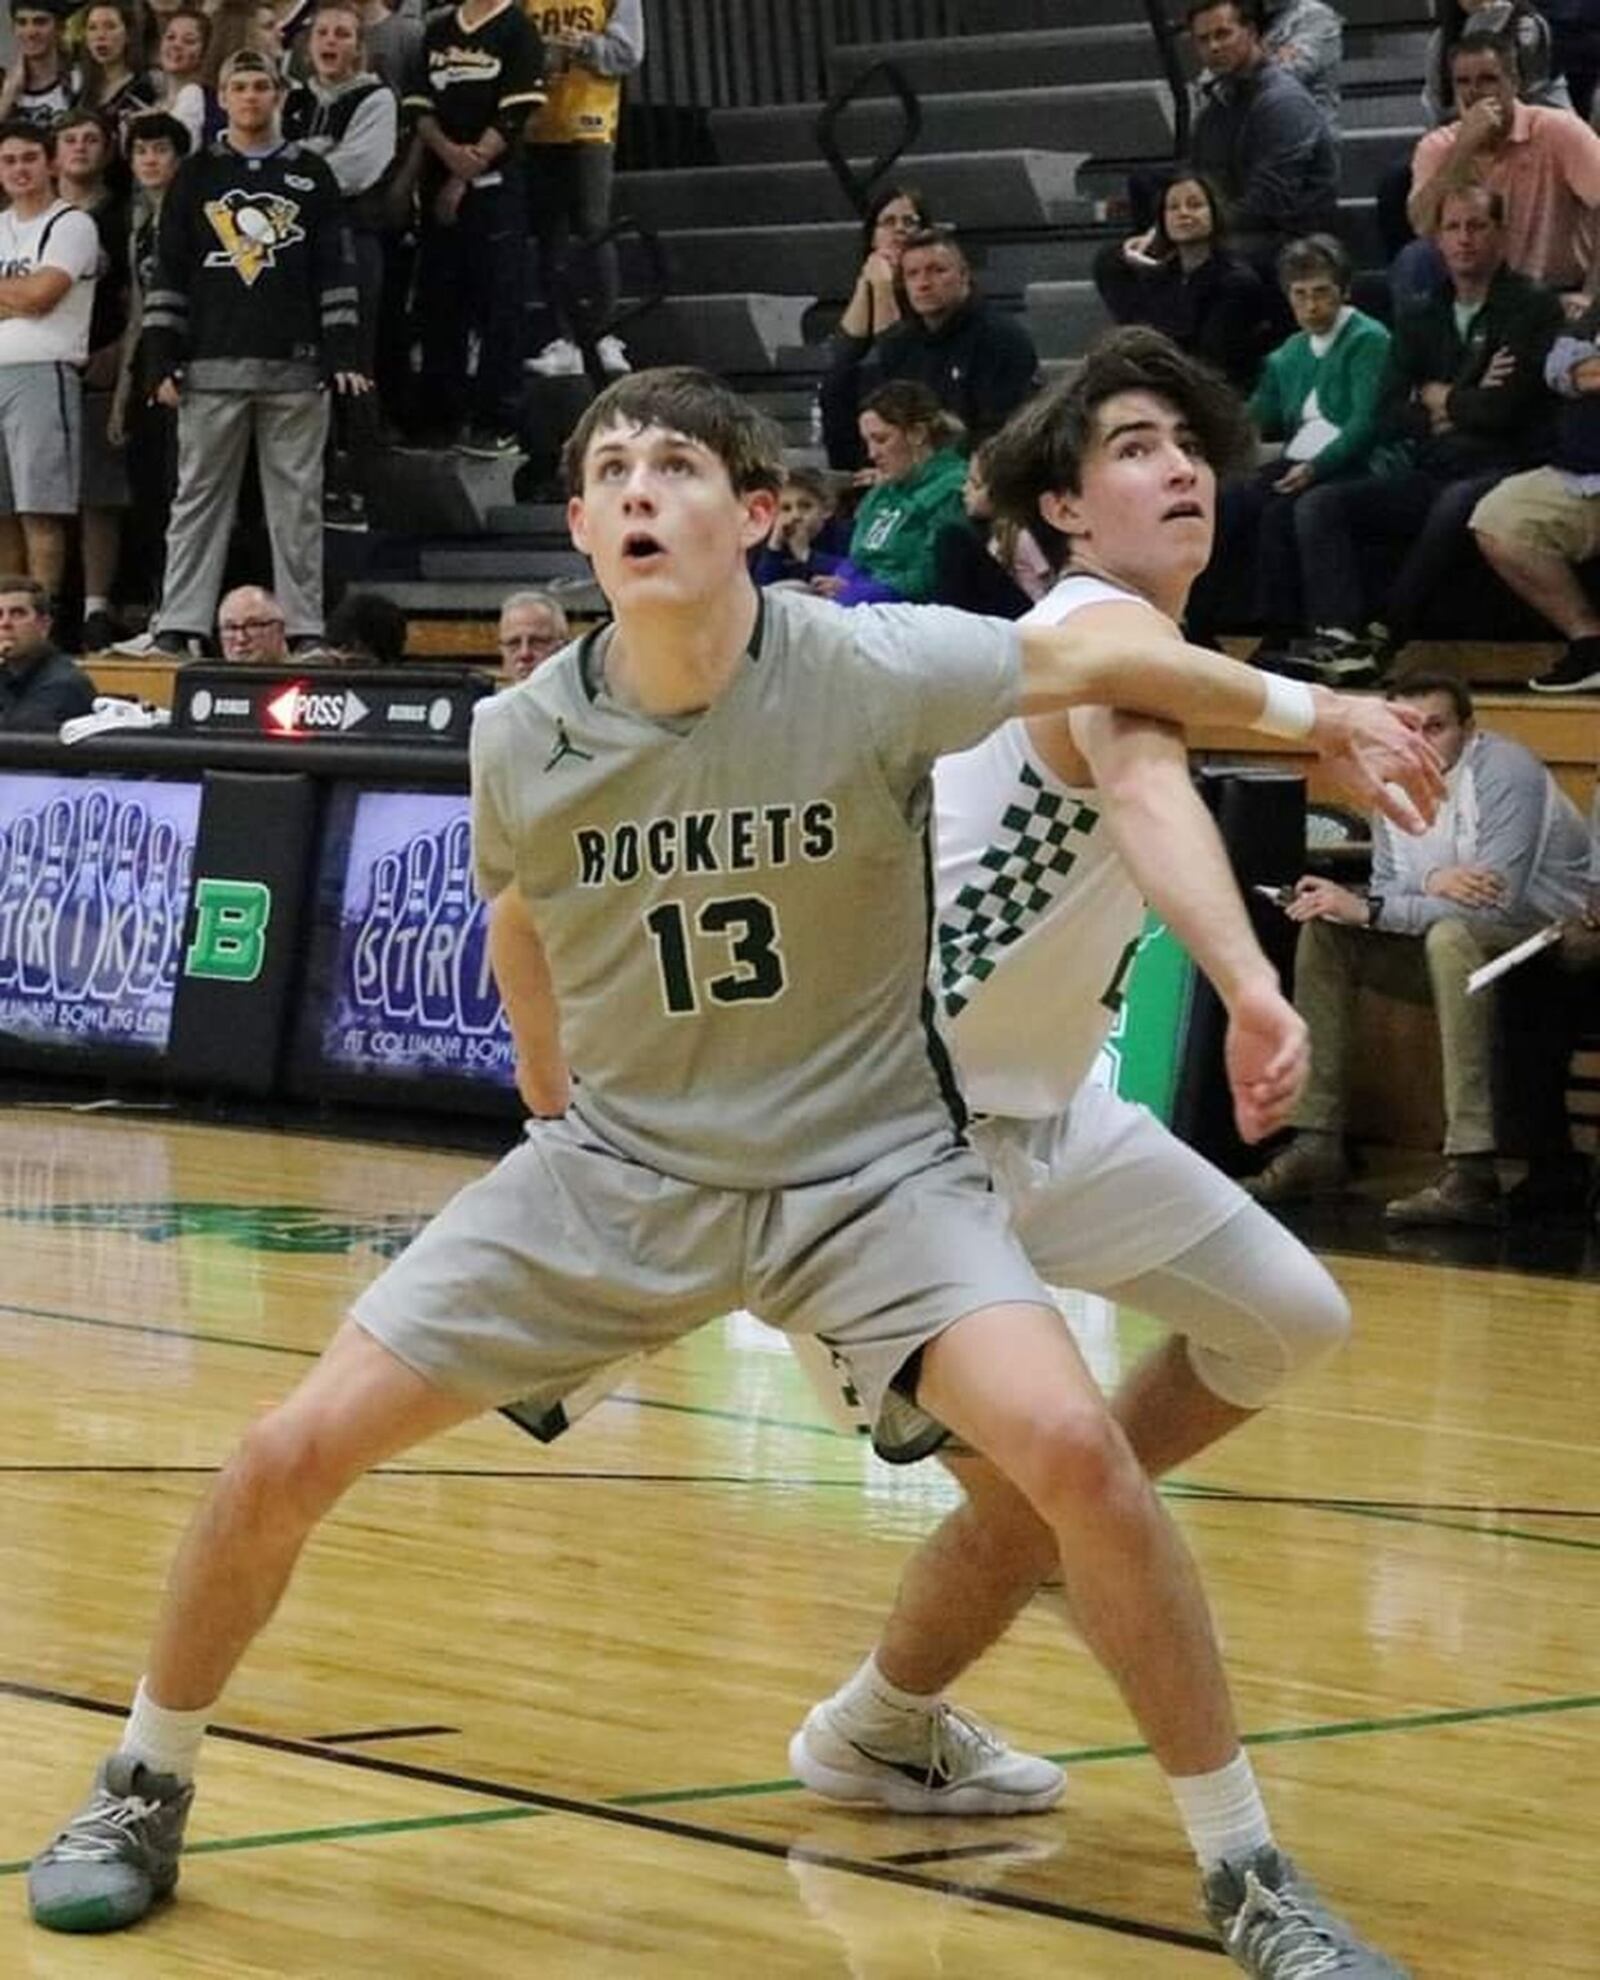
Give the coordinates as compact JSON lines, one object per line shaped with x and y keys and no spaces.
{"x":760,"y":510}
{"x":577,"y":528}
{"x":1063,"y":511}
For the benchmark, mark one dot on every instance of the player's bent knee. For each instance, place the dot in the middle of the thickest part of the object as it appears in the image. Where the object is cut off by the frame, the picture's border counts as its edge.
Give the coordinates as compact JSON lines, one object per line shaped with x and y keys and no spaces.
{"x":1068,"y":1457}
{"x":288,"y":1470}
{"x":1305,"y":1324}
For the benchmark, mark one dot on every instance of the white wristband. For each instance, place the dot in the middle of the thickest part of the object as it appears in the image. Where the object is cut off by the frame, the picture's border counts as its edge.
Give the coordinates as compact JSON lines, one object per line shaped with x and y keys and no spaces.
{"x":1289,"y":709}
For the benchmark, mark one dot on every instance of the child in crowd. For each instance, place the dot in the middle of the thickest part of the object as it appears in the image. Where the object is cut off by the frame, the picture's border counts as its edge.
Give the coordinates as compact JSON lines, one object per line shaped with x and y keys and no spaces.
{"x":805,"y":540}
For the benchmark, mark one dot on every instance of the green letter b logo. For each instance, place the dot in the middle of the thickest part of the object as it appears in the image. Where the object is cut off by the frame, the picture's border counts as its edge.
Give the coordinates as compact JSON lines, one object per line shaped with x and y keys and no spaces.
{"x":230,"y":930}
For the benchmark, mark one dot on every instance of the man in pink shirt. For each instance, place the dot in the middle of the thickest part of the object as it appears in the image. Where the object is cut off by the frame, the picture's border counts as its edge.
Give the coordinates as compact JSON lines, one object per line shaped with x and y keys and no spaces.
{"x":1545,"y":164}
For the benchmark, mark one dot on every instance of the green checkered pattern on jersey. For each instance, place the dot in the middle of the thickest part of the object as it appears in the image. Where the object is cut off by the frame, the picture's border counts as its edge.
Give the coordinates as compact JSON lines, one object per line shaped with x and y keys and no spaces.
{"x":1024,"y":870}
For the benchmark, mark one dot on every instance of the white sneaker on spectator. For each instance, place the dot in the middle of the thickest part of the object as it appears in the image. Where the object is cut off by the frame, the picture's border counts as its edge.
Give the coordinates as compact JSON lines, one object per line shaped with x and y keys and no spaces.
{"x":613,"y":355}
{"x":161,"y":646}
{"x":560,"y":358}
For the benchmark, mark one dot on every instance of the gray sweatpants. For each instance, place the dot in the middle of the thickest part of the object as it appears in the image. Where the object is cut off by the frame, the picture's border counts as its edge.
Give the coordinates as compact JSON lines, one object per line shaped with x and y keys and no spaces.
{"x":214,"y":432}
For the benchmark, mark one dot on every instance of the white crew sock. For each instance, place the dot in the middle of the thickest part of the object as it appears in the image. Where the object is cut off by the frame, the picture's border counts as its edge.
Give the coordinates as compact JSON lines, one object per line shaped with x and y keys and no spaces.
{"x":167,"y":1742}
{"x":93,"y":605}
{"x":1222,"y":1812}
{"x":869,"y":1700}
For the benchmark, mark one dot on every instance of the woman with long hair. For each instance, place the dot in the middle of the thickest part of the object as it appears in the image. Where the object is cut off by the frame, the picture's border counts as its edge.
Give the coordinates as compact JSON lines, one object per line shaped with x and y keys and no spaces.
{"x":914,"y":485}
{"x":876,"y":304}
{"x":116,"y":81}
{"x":185,"y":37}
{"x":1180,"y":277}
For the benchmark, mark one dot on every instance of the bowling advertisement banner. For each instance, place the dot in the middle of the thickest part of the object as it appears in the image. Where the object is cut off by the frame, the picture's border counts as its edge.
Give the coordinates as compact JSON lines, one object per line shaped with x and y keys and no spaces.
{"x":412,"y":994}
{"x":94,"y":886}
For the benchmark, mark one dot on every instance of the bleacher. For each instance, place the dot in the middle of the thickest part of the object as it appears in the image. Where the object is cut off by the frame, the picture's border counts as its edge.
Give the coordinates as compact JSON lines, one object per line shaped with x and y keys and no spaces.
{"x":1028,"y":128}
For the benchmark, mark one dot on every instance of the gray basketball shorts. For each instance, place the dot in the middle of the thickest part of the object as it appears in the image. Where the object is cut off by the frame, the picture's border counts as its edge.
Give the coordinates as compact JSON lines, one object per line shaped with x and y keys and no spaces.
{"x":41,"y":439}
{"x":569,"y":1257}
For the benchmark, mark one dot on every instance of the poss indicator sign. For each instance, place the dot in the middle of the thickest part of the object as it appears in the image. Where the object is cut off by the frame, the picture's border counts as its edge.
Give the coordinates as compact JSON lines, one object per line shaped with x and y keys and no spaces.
{"x":427,"y":706}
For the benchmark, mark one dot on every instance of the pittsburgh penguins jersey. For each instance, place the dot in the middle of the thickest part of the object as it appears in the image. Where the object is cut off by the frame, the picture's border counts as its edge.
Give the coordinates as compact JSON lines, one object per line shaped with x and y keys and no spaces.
{"x":736,"y":906}
{"x":1038,"y":919}
{"x":254,"y":285}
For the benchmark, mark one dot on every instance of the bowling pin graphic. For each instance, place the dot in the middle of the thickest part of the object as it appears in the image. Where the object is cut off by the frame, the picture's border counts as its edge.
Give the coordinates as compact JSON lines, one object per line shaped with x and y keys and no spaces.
{"x":14,"y":891}
{"x":183,"y":870}
{"x":439,"y":952}
{"x":44,"y":902}
{"x":80,"y":926}
{"x":155,"y":909}
{"x":120,"y":941}
{"x":366,"y":954}
{"x":399,"y":952}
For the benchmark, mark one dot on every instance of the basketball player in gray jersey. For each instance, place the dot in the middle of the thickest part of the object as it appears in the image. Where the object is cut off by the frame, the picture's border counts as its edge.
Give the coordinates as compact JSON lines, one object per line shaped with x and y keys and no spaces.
{"x":699,"y":833}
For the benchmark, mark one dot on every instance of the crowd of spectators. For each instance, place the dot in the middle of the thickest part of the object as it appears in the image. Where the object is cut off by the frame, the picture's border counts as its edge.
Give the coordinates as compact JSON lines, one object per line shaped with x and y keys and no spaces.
{"x":1401,"y":397}
{"x":246,"y":231}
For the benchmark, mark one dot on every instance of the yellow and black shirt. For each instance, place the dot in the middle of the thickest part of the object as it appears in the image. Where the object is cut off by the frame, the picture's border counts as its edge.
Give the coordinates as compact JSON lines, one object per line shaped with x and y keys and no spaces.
{"x":585,"y":88}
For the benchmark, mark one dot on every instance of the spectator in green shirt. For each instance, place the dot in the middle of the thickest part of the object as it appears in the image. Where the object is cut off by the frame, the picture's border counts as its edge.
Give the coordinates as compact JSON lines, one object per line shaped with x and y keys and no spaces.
{"x":916,"y":474}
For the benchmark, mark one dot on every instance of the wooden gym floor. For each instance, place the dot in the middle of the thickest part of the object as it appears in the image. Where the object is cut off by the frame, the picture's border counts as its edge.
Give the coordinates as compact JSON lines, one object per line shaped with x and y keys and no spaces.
{"x":526,"y":1712}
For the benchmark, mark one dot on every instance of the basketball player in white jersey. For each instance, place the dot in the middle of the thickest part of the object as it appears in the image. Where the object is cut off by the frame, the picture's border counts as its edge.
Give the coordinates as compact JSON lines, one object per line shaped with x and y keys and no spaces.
{"x":1052,"y":834}
{"x":703,"y":837}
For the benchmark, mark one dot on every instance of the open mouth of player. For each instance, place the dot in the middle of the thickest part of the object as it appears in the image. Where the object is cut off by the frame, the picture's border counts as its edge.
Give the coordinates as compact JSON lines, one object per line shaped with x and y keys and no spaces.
{"x":1184,"y":512}
{"x":639,"y":547}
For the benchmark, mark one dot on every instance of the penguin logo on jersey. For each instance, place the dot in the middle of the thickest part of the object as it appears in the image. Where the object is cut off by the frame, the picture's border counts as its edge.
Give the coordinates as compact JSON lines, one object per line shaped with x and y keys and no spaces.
{"x":252,"y":227}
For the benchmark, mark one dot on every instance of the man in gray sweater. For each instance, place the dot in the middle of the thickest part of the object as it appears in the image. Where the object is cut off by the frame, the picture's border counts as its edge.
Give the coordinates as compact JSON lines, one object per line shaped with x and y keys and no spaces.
{"x":1507,"y":854}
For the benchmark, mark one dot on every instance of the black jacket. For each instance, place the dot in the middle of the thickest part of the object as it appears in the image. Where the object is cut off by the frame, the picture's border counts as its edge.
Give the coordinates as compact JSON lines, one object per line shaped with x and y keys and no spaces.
{"x":1219,"y":311}
{"x":42,"y":689}
{"x":1511,"y":424}
{"x":1263,"y":140}
{"x":979,"y":364}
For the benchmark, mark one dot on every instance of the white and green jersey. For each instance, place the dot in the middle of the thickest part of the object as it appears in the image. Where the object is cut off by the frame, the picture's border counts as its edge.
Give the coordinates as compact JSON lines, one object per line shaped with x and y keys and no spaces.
{"x":1038,"y":918}
{"x":737,"y":905}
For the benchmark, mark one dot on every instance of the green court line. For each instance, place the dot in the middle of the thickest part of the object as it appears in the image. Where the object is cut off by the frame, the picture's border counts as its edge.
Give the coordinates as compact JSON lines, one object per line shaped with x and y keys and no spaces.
{"x":1082,"y":1756}
{"x":342,"y":1832}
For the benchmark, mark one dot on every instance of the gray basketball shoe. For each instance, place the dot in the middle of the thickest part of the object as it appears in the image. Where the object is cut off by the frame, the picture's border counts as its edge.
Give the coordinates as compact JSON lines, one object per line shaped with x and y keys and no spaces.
{"x":118,"y":1856}
{"x":1273,"y":1924}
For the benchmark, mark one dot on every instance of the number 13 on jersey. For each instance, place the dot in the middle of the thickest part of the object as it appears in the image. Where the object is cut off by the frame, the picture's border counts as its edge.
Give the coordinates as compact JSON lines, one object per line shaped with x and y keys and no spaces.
{"x":740,"y":930}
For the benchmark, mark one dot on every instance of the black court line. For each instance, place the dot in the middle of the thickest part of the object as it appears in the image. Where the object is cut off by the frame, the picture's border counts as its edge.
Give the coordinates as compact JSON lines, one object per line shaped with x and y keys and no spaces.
{"x":906,"y":1857}
{"x":381,"y":1732}
{"x":1220,"y":1495}
{"x":661,"y":1825}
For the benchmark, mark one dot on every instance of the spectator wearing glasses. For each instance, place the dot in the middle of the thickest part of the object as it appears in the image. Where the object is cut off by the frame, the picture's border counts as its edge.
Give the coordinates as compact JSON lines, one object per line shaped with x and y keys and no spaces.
{"x":877,"y":303}
{"x":532,"y":627}
{"x":250,"y":628}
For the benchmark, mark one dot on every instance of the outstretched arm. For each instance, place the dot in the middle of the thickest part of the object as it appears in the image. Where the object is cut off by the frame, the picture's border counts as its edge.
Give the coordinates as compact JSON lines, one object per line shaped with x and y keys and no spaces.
{"x":1171,"y":846}
{"x":1130,"y":657}
{"x":520,"y":969}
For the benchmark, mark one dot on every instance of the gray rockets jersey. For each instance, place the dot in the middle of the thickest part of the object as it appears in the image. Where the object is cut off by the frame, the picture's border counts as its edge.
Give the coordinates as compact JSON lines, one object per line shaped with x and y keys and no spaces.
{"x":736,"y":906}
{"x":1038,"y":918}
